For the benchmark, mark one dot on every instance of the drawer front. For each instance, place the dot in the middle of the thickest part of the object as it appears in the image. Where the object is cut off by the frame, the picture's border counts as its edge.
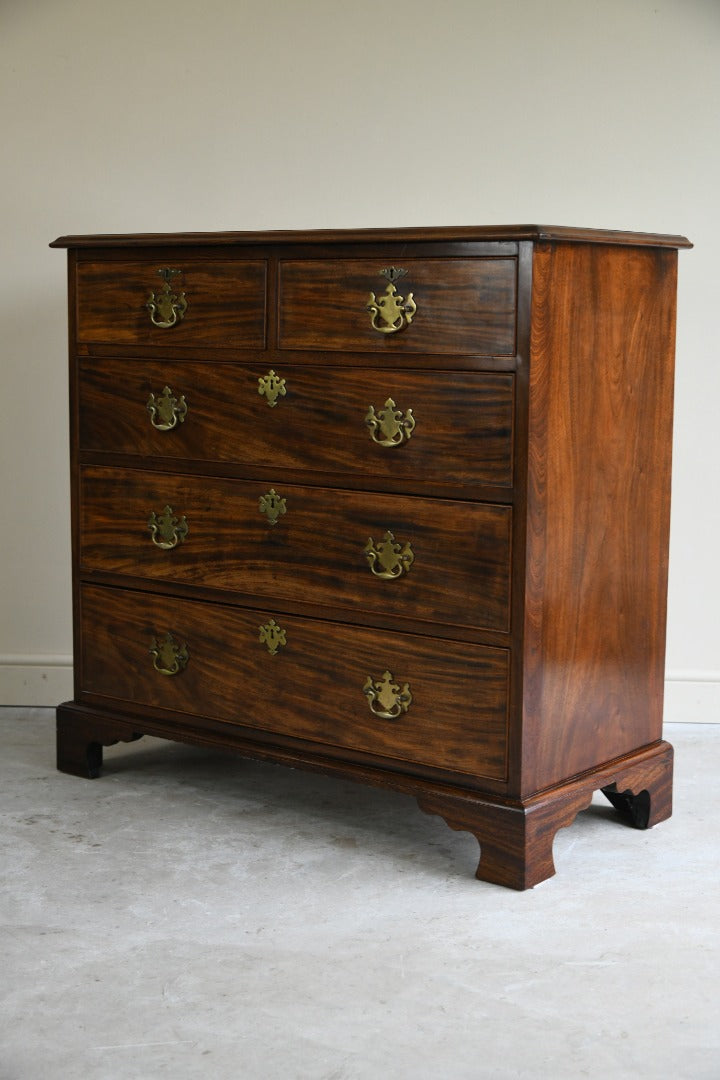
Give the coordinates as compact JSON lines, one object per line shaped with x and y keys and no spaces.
{"x":399,"y":696}
{"x":219,"y":304}
{"x":460,"y":306}
{"x":437,"y":560}
{"x":417,"y":427}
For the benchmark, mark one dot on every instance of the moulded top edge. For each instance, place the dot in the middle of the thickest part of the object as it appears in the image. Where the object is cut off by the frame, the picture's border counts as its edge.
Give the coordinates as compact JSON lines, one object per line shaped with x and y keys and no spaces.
{"x":462,"y":233}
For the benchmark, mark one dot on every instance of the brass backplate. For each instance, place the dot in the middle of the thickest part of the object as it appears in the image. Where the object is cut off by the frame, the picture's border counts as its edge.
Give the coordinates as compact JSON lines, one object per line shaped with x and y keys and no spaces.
{"x":390,"y":558}
{"x":166,"y":529}
{"x":386,"y":698}
{"x":166,"y":308}
{"x":388,"y":426}
{"x":169,"y":658}
{"x":391,"y":312}
{"x":166,"y":410}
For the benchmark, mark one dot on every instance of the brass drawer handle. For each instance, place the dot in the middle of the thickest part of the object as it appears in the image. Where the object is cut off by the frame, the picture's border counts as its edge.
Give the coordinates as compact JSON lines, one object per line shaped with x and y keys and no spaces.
{"x":388,"y":426}
{"x":272,"y":635}
{"x":390,"y":312}
{"x":166,"y":531}
{"x":386,"y":698}
{"x":272,"y":505}
{"x":271,"y":387}
{"x":389,"y":559}
{"x":169,"y":658}
{"x":166,"y":308}
{"x":168,"y":409}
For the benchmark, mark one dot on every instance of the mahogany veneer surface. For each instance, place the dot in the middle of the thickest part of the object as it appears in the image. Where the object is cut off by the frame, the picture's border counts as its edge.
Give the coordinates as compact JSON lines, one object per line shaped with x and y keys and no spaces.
{"x":468,"y":305}
{"x":511,"y":661}
{"x":226,"y":302}
{"x":317,"y":548}
{"x":463,"y":437}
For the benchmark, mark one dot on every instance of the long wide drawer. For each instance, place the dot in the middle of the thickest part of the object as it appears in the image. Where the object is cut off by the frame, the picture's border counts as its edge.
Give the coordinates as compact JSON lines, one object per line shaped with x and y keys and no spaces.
{"x":440,"y":306}
{"x":418,"y":427}
{"x":172,"y":300}
{"x":437,"y":560}
{"x":397,"y":696}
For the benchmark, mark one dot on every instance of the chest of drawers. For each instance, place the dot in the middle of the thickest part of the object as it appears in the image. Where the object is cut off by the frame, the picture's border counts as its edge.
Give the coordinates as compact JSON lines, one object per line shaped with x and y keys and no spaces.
{"x":391,"y":505}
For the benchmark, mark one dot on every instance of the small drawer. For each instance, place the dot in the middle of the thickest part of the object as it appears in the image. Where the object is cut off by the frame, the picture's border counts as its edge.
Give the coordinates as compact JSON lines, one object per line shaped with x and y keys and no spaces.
{"x":393,"y":696}
{"x":172,"y":301}
{"x":436,"y":306}
{"x":440,"y":428}
{"x":437,"y":560}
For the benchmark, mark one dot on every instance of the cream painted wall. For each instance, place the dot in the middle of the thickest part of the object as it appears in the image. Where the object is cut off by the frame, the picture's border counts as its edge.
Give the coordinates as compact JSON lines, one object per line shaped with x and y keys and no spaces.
{"x":235,"y":114}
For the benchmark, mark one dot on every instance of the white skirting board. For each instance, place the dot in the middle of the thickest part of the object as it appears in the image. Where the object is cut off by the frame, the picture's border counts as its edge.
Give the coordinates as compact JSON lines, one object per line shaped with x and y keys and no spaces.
{"x":691,"y":697}
{"x":35,"y":680}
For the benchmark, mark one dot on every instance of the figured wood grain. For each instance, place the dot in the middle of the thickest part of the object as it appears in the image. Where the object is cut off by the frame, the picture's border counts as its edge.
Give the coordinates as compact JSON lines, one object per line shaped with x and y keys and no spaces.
{"x":226,"y":301}
{"x":600,"y":433}
{"x":315,"y":551}
{"x":463,"y":305}
{"x":312,"y":688}
{"x":539,"y":370}
{"x":463,"y":420}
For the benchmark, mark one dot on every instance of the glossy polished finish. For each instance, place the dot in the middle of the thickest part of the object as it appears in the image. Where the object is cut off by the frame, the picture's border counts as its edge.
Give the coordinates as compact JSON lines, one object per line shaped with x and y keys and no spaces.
{"x":223,"y":303}
{"x":443,"y":234}
{"x":461,"y":436}
{"x":465,"y":306}
{"x":408,"y":493}
{"x":311,"y":690}
{"x":602,"y":348}
{"x":303,"y":544}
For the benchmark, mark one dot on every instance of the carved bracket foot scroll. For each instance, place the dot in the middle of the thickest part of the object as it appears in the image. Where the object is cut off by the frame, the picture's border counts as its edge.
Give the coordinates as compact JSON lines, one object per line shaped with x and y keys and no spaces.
{"x":515,"y":841}
{"x":516,"y":838}
{"x":80,"y":741}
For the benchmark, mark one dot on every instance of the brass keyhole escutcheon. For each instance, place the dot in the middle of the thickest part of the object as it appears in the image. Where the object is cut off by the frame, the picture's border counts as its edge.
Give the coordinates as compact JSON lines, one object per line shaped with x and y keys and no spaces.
{"x":389,"y":426}
{"x":272,"y":506}
{"x":272,"y":635}
{"x":390,"y":558}
{"x":167,"y":530}
{"x":387,"y":698}
{"x":166,"y":307}
{"x":166,"y":410}
{"x":271,"y":387}
{"x":169,"y":658}
{"x":390,"y":312}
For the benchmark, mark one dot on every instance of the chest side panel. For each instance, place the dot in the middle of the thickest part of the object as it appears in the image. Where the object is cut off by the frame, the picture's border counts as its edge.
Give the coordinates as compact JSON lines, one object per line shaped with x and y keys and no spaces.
{"x":600,"y":428}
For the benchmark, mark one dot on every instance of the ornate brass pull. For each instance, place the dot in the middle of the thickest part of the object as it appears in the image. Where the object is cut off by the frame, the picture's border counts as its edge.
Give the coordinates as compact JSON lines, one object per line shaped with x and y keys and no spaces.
{"x":168,"y":409}
{"x":386,"y":698}
{"x":389,"y":559}
{"x":166,"y":531}
{"x":390,"y":312}
{"x":169,"y":658}
{"x":167,"y":308}
{"x":389,"y":427}
{"x":272,"y":505}
{"x":273,"y":636}
{"x":271,"y":387}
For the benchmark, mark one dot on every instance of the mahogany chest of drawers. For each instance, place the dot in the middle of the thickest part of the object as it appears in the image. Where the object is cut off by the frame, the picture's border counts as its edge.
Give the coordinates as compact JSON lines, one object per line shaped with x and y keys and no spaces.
{"x":386,"y":504}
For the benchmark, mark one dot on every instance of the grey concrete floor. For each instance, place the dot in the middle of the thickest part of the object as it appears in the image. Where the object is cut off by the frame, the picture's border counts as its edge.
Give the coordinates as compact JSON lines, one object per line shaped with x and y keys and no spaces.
{"x":191,"y":914}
